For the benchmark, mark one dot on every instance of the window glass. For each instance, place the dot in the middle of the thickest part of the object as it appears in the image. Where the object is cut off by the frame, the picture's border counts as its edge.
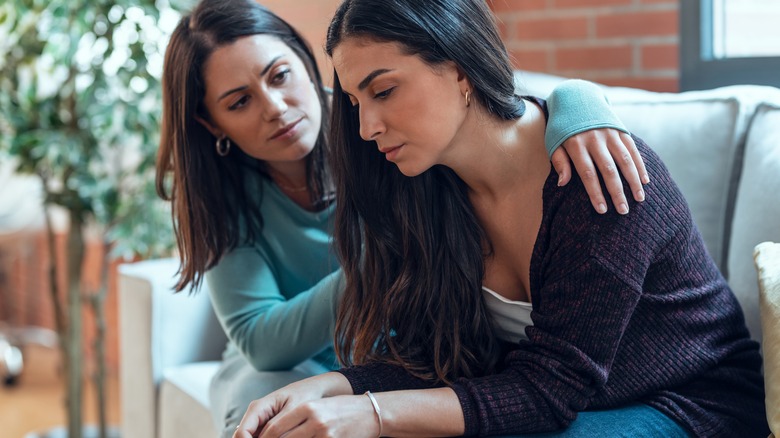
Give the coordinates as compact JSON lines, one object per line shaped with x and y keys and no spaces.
{"x":745,"y":28}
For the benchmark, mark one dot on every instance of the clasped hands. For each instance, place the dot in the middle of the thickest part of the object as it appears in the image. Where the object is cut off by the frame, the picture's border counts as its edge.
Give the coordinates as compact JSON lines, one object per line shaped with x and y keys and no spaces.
{"x":320,"y":406}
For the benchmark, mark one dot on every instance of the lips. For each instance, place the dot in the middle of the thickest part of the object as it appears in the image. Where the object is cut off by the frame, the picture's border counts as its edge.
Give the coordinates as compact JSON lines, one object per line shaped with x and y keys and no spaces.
{"x":389,"y":149}
{"x":391,"y":152}
{"x":285,"y":129}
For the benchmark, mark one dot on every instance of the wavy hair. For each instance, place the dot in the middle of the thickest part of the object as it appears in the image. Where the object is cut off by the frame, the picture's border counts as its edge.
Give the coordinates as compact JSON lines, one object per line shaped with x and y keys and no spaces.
{"x":212,"y":206}
{"x":412,"y":248}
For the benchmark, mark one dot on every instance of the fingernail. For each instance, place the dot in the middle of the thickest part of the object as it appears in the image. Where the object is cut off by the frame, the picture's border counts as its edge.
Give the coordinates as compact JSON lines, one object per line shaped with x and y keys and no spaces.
{"x":640,"y":195}
{"x":623,"y":209}
{"x":602,"y":208}
{"x":560,"y":178}
{"x":645,"y":178}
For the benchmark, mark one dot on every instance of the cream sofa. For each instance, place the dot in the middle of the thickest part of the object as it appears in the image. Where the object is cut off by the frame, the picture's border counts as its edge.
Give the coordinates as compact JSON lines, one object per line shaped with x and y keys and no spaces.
{"x":722,"y":146}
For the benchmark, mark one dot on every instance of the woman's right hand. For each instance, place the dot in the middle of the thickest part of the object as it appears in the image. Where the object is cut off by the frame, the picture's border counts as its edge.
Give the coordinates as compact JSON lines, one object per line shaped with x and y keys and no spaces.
{"x":314,"y":388}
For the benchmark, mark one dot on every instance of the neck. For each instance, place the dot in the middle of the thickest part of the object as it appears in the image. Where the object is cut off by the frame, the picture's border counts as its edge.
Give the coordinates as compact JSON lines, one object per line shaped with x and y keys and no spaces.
{"x":289,"y":176}
{"x":509,"y":152}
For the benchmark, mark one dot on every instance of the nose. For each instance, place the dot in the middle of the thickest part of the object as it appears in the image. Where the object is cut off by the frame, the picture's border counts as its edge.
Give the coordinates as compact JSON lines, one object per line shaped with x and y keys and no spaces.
{"x":371,"y":125}
{"x":274,"y":106}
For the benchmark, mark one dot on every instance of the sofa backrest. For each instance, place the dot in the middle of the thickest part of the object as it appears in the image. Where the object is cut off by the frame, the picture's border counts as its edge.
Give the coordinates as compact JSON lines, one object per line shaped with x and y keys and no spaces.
{"x":757,"y":209}
{"x":715,"y":144}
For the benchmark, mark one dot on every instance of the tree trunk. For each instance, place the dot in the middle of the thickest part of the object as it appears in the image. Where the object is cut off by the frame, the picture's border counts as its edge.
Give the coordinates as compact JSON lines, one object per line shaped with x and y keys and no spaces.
{"x":75,"y":351}
{"x":64,"y":323}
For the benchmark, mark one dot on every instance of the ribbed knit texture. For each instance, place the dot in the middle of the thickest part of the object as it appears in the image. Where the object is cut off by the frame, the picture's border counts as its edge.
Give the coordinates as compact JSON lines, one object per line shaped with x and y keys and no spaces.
{"x":626,"y":308}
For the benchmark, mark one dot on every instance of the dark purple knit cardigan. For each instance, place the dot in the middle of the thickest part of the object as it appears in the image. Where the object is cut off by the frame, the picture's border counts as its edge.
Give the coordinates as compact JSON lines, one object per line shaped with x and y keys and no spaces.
{"x":625,"y":309}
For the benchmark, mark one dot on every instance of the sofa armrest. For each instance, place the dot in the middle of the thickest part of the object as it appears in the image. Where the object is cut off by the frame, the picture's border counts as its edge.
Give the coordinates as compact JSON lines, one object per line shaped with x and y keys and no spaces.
{"x":158,"y":330}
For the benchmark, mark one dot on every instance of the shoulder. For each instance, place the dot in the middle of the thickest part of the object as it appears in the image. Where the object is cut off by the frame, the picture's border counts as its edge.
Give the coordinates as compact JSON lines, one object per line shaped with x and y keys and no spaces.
{"x":571,"y":224}
{"x":662,"y":195}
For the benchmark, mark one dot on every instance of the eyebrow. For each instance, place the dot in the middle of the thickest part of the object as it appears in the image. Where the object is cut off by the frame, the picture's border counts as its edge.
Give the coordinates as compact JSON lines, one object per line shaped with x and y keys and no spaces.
{"x":371,"y":76}
{"x":244,"y":87}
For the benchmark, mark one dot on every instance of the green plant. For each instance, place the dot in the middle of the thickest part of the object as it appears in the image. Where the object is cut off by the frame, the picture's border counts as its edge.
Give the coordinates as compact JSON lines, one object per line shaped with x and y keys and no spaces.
{"x":79,"y":107}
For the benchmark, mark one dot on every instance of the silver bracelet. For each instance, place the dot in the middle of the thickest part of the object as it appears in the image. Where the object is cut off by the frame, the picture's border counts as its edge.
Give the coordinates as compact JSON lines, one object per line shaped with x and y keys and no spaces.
{"x":377,"y":411}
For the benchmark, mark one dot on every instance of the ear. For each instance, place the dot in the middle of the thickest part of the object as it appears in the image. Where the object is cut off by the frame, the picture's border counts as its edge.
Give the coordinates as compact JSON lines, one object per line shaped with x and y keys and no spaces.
{"x":216,"y":132}
{"x":463,"y":81}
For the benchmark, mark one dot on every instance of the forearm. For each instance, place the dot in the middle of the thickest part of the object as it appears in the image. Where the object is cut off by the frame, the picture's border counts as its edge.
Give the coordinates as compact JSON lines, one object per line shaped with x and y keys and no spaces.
{"x":294,"y":330}
{"x":420,"y":413}
{"x":331,"y":384}
{"x":409,"y":406}
{"x":274,"y":333}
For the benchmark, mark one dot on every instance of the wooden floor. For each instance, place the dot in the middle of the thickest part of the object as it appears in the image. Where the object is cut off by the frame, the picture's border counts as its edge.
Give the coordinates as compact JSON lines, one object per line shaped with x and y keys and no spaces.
{"x":36,"y":402}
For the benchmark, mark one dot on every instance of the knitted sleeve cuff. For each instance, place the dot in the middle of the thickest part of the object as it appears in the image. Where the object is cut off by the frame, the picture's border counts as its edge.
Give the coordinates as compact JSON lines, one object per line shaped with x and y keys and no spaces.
{"x":576,"y":106}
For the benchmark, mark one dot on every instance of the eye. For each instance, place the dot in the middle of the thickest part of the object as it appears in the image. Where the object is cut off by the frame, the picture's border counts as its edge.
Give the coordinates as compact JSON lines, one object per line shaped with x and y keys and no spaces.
{"x":384,"y":94}
{"x":280,"y":77}
{"x":240,"y":103}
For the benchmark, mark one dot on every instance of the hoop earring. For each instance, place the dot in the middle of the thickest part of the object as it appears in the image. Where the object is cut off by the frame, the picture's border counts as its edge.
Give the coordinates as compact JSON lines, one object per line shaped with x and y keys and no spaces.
{"x":223,"y":146}
{"x":468,"y":98}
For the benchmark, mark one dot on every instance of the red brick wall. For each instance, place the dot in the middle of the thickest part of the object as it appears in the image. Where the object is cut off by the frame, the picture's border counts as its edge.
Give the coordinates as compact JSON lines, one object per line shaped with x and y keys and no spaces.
{"x":616,"y":42}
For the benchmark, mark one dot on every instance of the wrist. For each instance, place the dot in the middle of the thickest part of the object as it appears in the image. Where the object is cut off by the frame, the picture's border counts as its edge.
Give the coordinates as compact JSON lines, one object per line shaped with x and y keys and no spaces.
{"x":425,"y":412}
{"x":377,"y":411}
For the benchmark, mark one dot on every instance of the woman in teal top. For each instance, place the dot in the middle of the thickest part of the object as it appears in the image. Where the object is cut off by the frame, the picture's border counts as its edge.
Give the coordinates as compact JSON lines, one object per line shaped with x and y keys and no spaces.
{"x":243,"y":160}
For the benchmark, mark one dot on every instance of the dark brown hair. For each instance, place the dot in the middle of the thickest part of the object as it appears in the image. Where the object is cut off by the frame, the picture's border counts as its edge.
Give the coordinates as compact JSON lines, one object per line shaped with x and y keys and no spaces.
{"x":213,"y":206}
{"x":412,"y":248}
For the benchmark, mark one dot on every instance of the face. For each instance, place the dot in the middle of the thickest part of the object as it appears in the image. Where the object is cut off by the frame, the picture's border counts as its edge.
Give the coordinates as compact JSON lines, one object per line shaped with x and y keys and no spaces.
{"x":411,"y":110}
{"x":259,"y":95}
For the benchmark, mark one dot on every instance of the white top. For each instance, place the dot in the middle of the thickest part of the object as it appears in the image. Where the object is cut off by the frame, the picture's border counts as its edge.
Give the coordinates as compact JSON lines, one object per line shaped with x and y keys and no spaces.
{"x":511,"y":317}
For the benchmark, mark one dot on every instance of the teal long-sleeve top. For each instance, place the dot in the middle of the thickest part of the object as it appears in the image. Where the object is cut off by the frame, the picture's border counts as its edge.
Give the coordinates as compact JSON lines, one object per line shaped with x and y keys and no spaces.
{"x":276,"y":298}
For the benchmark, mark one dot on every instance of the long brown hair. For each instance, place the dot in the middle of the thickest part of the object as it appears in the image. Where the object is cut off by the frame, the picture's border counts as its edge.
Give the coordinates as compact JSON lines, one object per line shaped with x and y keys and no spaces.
{"x":412,"y":248}
{"x":213,"y":204}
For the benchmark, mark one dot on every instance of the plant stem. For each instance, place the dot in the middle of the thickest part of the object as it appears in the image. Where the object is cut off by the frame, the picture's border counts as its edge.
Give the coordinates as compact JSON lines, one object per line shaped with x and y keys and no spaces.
{"x":97,"y":300}
{"x":60,"y":319}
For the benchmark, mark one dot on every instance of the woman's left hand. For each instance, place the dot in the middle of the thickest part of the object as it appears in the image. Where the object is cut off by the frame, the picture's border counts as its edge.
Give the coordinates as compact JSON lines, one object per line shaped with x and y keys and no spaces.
{"x":604,"y":147}
{"x":349,"y":416}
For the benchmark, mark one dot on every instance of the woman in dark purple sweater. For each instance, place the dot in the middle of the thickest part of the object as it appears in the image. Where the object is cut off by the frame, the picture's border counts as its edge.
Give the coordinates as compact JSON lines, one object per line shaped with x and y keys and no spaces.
{"x":482,"y":299}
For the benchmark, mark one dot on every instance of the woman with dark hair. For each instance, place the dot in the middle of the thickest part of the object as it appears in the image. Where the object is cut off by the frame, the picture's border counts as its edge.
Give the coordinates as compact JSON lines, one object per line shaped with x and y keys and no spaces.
{"x":482,"y":299}
{"x":242,"y":158}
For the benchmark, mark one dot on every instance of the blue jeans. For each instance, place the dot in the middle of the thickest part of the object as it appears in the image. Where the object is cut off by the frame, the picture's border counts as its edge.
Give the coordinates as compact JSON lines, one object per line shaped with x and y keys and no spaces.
{"x":635,"y":421}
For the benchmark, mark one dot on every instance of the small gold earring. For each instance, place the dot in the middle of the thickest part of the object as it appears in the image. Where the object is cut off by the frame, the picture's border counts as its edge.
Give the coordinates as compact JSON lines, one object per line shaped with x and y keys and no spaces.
{"x":468,"y":98}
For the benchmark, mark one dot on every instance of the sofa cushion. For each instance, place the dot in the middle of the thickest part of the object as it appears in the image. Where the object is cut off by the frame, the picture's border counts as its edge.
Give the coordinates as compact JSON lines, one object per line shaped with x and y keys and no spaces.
{"x":757,"y":209}
{"x":159,"y":330}
{"x":767,"y":259}
{"x":184,"y":401}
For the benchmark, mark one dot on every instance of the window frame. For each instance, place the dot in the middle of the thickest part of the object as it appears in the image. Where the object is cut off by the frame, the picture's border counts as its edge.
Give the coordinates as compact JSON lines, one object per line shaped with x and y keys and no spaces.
{"x":699,"y":70}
